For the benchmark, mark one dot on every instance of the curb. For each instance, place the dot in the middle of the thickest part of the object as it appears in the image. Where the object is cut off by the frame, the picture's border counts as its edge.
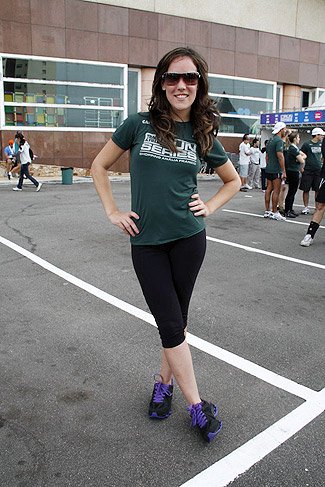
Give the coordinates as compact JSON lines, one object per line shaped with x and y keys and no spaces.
{"x":76,"y":180}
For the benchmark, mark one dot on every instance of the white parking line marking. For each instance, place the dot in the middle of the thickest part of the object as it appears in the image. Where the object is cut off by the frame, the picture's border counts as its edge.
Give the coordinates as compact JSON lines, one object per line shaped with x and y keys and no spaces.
{"x":239,"y":461}
{"x":303,"y":206}
{"x":262,"y":216}
{"x":265,"y":252}
{"x":230,"y":358}
{"x":251,"y":368}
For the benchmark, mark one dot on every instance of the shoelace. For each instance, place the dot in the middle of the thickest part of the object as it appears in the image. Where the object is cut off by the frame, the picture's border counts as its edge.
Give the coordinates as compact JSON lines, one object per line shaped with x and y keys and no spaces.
{"x":197,"y":415}
{"x":161,"y":390}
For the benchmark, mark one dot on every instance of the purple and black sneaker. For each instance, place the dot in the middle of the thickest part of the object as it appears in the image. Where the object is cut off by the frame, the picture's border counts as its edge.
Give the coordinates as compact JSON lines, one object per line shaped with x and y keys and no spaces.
{"x":161,"y":402}
{"x":204,"y":415}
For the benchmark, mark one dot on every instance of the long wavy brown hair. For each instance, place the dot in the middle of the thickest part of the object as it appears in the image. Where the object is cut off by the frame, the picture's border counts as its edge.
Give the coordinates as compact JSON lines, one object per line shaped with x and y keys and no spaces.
{"x":204,"y":114}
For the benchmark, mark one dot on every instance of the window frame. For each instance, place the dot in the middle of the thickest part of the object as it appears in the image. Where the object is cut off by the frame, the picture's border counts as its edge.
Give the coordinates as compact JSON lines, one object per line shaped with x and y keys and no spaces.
{"x":242,"y":97}
{"x":124,"y":87}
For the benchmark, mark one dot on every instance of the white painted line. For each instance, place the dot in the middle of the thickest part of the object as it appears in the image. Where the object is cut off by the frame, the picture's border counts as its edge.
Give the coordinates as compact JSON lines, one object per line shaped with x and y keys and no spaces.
{"x":262,"y":216}
{"x":251,"y":368}
{"x":128,"y":308}
{"x":303,"y":206}
{"x":265,"y":252}
{"x":228,"y":357}
{"x":239,"y":461}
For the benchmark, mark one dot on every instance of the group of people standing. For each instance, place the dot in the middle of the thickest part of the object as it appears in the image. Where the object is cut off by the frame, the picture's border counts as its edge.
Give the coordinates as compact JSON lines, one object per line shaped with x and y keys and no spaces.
{"x":283,"y":168}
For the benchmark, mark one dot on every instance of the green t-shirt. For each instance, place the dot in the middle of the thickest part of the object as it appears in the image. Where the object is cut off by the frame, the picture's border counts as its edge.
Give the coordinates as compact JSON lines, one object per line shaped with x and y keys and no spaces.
{"x":162,"y":181}
{"x":314,"y":157}
{"x":291,"y":160}
{"x":275,"y":145}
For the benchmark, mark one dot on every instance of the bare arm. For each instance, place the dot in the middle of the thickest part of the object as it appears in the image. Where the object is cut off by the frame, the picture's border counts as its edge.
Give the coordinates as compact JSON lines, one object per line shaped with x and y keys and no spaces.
{"x":301,"y":160}
{"x":102,"y":162}
{"x":231,"y":186}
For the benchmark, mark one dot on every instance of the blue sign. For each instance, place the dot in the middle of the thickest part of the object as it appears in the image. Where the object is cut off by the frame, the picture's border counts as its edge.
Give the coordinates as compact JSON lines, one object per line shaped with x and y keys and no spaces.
{"x":308,"y":116}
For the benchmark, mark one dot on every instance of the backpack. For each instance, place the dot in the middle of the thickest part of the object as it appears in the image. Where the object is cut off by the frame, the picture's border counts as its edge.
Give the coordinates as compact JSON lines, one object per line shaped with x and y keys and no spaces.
{"x":31,"y":154}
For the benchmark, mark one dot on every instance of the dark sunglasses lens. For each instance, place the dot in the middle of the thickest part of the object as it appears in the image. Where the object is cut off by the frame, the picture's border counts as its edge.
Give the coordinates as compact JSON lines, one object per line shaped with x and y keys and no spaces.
{"x":172,"y":78}
{"x":190,"y":78}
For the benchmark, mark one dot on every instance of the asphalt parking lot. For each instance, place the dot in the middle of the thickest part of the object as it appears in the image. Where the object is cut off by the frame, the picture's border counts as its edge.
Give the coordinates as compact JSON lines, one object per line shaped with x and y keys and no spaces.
{"x":78,"y":350}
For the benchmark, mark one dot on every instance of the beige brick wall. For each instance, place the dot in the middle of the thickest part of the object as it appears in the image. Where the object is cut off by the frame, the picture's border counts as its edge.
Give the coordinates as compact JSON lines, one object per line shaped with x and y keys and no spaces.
{"x":303,"y":19}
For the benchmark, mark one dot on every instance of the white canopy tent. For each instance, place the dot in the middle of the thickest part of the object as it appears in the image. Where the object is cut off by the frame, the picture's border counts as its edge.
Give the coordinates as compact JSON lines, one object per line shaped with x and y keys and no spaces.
{"x":318,"y":104}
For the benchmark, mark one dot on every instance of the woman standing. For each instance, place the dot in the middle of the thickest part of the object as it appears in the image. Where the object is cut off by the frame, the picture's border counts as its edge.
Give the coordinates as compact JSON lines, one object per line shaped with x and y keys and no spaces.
{"x":263,"y":166}
{"x":284,"y":184}
{"x":166,"y":224}
{"x":294,"y":166}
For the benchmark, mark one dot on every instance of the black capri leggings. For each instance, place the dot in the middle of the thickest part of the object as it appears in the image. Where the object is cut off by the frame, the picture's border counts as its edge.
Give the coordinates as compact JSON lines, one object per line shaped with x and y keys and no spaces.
{"x":293,"y":182}
{"x":167,"y":275}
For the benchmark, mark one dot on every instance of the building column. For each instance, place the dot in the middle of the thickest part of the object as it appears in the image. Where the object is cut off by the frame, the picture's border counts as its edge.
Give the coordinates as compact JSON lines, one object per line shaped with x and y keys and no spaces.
{"x":147,"y":75}
{"x":291,"y":98}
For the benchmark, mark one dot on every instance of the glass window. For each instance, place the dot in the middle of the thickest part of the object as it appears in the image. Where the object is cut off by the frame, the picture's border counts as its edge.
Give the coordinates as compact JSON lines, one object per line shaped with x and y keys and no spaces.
{"x":61,"y":71}
{"x":278,"y":99}
{"x":30,"y":84}
{"x":229,"y":86}
{"x":305,"y":95}
{"x":246,"y":100}
{"x":62,"y":94}
{"x":241,"y":106}
{"x":239,"y":125}
{"x":62,"y":117}
{"x":132,"y":92}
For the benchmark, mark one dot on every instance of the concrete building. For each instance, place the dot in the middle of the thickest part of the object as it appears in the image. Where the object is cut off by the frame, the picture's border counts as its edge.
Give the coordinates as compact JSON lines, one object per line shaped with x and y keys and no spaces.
{"x":72,"y":70}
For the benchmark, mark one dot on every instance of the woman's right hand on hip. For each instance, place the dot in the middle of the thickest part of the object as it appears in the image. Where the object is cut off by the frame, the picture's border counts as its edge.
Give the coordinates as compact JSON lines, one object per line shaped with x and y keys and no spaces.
{"x":125,"y":222}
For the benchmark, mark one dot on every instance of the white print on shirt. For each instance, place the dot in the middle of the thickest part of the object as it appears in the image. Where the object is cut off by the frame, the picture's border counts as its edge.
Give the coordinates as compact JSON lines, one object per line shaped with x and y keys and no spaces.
{"x":316,"y":150}
{"x":151,"y":148}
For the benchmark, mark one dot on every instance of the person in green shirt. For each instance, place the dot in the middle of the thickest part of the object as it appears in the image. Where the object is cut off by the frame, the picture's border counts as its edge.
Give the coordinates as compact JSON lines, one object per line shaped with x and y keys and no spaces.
{"x":320,"y":206}
{"x":275,"y":171}
{"x":311,"y":173}
{"x":293,"y":163}
{"x":166,"y":221}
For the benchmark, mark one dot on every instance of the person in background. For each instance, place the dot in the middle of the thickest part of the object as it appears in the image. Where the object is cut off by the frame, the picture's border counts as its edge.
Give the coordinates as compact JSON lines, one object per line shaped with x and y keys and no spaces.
{"x":166,"y":225}
{"x":263,"y":166}
{"x":254,"y":168}
{"x":275,"y":171}
{"x":320,"y":205}
{"x":244,"y":158}
{"x":294,"y":166}
{"x":311,"y":175}
{"x":25,"y":161}
{"x":284,"y":185}
{"x":9,"y":154}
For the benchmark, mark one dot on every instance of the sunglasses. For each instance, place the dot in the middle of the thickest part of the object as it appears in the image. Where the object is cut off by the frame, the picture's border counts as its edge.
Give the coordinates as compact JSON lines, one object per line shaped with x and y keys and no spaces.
{"x":171,"y":79}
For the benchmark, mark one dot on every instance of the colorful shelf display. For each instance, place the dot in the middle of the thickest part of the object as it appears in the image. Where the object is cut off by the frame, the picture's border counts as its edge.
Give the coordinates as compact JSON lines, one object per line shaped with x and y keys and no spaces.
{"x":35,"y":116}
{"x":40,"y":115}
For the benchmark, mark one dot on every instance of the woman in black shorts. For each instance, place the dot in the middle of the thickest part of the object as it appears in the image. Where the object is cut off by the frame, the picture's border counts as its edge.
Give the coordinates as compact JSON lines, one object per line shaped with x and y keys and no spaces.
{"x":166,"y":224}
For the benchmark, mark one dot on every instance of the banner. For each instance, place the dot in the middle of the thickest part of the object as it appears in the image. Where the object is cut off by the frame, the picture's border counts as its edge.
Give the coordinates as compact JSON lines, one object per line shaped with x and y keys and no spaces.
{"x":308,"y":116}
